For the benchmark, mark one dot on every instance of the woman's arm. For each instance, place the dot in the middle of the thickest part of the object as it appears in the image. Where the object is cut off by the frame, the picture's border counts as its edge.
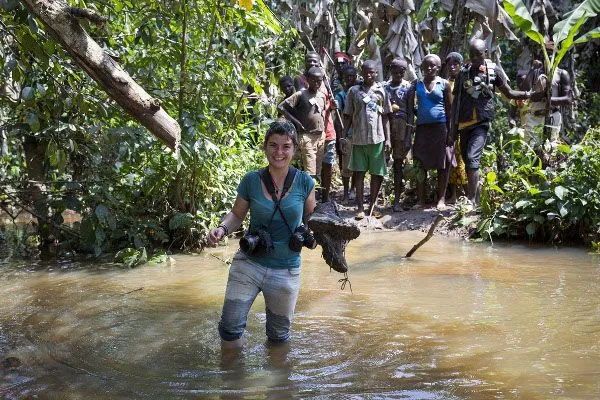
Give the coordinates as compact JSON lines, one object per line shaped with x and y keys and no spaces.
{"x":448,"y":111}
{"x":309,"y":204}
{"x":232,"y":221}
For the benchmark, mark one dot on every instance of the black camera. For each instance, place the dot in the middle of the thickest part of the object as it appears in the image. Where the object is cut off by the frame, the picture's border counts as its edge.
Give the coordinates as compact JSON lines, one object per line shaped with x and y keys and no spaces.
{"x":302,"y":237}
{"x":257,"y":243}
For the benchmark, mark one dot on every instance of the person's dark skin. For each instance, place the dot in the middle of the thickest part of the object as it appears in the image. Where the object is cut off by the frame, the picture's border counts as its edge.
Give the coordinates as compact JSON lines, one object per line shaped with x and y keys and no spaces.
{"x":369,"y":74}
{"x":431,"y":67}
{"x":314,"y":83}
{"x":397,"y":71}
{"x":562,"y":97}
{"x":477,"y":52}
{"x":287,"y":87}
{"x":453,"y":68}
{"x":310,"y":60}
{"x":349,"y":80}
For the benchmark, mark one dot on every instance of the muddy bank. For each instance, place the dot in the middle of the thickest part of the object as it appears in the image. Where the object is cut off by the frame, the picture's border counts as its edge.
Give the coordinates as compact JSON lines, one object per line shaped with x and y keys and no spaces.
{"x":409,"y":220}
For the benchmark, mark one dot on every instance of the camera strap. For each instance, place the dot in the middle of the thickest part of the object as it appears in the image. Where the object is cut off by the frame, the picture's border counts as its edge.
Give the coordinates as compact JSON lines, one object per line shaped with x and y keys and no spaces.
{"x":270,"y":185}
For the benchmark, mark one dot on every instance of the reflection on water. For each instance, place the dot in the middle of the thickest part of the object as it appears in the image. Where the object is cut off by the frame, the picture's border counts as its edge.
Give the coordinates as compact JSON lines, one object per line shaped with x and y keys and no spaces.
{"x":456,"y":321}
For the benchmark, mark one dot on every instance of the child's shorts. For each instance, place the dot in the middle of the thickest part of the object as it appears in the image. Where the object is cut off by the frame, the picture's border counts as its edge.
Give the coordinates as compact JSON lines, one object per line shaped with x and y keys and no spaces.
{"x":368,"y":157}
{"x":311,"y":150}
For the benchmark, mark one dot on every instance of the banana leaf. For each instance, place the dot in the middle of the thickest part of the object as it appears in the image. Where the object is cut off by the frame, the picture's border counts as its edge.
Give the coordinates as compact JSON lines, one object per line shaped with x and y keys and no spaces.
{"x":522,"y":18}
{"x":593,"y":34}
{"x":588,"y":8}
{"x":520,"y":15}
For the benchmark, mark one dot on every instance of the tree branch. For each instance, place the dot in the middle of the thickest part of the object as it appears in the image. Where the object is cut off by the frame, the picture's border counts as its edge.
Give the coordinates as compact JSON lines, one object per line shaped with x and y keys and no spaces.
{"x":118,"y":84}
{"x":89,"y":14}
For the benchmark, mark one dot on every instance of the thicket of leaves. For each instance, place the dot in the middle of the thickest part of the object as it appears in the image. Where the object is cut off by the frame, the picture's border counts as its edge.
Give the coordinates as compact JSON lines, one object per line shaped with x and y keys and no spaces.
{"x":130,"y":190}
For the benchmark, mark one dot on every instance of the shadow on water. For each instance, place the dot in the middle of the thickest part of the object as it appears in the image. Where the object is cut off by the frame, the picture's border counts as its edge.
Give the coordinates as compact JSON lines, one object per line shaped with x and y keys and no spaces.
{"x":456,"y":321}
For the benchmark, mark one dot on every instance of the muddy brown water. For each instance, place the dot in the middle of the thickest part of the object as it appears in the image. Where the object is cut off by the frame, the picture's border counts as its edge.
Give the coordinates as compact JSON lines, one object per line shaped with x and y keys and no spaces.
{"x":456,"y":321}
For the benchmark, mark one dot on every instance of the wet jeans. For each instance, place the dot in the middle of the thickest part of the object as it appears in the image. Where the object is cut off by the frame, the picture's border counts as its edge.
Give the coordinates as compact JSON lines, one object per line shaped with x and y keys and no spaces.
{"x":246,"y":279}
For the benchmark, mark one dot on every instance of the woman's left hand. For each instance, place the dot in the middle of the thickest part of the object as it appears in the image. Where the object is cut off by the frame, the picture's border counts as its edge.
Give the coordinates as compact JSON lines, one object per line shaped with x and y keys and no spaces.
{"x":215,"y":236}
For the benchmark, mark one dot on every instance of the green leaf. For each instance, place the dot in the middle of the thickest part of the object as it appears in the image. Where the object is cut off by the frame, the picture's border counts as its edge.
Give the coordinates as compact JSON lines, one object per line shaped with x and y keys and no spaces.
{"x":593,"y":34}
{"x":522,"y":18}
{"x":533,"y":191}
{"x":491,"y":177}
{"x":181,"y":221}
{"x":560,"y":192}
{"x":522,"y":203}
{"x":563,"y":211}
{"x":269,"y":18}
{"x":424,"y":9}
{"x":33,"y":121}
{"x":531,"y":228}
{"x":27,"y":93}
{"x":565,"y":45}
{"x":588,"y":8}
{"x":563,"y":148}
{"x":87,"y":230}
{"x":159,"y":257}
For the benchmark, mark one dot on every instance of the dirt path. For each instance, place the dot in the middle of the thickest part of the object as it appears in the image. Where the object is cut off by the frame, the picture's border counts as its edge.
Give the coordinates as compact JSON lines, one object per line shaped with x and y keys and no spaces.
{"x":410,"y":220}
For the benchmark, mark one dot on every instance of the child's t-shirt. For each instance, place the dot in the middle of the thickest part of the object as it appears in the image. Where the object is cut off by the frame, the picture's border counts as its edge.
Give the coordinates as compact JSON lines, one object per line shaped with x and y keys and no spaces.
{"x":398,"y":95}
{"x":430,"y":105}
{"x":310,"y":110}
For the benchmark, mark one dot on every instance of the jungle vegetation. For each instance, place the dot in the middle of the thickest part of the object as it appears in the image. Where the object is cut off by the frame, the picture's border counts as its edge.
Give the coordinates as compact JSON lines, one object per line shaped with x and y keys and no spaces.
{"x":213,"y":66}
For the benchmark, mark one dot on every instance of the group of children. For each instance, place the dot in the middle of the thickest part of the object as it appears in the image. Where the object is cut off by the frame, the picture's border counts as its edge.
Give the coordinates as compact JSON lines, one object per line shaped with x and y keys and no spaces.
{"x":395,"y":116}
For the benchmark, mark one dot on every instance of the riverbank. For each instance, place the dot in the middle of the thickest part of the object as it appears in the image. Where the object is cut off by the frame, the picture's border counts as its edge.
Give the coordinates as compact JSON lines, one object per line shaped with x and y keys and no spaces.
{"x":407,"y":220}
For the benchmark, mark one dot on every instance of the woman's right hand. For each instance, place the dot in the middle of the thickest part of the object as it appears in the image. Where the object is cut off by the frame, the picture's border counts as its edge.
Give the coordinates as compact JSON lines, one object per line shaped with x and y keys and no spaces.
{"x":215,"y":236}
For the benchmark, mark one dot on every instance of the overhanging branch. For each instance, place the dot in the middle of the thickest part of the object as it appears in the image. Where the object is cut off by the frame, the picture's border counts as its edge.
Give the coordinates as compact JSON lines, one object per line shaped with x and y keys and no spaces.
{"x":59,"y":21}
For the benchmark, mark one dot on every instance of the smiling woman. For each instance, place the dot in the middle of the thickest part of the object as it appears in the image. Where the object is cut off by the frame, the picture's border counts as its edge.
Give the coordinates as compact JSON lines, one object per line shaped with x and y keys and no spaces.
{"x":279,"y":198}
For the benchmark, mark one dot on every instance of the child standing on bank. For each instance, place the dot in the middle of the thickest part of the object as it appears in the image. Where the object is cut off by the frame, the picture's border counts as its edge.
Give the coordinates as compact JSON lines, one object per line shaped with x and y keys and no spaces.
{"x":432,"y":95}
{"x":400,"y":134}
{"x":308,"y":107}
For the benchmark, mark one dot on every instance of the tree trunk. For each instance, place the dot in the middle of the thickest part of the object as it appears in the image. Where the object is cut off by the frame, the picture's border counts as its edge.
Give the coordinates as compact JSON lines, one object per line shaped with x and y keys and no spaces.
{"x":59,"y":21}
{"x":35,"y":156}
{"x":459,"y":20}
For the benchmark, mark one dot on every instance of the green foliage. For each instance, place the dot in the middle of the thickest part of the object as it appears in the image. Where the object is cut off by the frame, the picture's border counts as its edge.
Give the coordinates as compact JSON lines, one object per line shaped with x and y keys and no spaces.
{"x":565,"y":30}
{"x":131,"y":257}
{"x":558,"y":203}
{"x":129,"y":189}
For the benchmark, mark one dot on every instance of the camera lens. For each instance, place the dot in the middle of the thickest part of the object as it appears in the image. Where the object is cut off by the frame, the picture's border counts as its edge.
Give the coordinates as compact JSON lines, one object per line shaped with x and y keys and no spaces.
{"x":309,"y":241}
{"x":248,"y":243}
{"x":296,"y":241}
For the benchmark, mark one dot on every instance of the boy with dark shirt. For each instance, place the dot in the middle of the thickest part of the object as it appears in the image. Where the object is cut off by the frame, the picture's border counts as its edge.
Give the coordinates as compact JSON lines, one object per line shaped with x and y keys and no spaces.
{"x":308,"y":107}
{"x":324,"y":169}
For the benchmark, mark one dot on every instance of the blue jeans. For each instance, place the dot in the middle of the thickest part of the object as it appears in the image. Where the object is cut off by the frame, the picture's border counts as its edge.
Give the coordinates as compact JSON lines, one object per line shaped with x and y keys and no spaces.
{"x":247,"y":278}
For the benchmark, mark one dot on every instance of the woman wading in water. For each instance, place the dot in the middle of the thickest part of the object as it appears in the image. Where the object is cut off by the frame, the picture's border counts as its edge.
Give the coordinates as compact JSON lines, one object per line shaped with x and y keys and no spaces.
{"x":279,"y":198}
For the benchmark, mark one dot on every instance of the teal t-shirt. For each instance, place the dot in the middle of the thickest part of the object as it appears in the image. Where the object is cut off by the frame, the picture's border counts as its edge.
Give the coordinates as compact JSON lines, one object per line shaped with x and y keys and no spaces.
{"x":261,"y":209}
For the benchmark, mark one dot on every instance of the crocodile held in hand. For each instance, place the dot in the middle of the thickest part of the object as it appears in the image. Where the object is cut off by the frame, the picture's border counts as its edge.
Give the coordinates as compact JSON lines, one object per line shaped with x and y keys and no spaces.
{"x":333,"y":233}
